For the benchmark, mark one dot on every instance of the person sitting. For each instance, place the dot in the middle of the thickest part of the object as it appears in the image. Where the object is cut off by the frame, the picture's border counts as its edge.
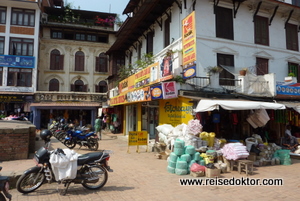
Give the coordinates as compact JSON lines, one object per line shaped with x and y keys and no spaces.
{"x":290,"y":142}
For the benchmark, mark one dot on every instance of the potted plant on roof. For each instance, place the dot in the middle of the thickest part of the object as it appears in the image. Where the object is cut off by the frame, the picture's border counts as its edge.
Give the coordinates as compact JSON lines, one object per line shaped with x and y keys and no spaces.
{"x":291,"y":78}
{"x":243,"y":71}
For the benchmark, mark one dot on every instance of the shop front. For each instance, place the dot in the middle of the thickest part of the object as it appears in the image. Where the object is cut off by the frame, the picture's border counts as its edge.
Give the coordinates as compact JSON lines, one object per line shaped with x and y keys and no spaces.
{"x":75,"y":108}
{"x":17,"y":103}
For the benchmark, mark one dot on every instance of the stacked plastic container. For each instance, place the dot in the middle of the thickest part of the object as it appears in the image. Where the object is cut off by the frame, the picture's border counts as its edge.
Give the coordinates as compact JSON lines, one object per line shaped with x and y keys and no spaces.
{"x":180,"y":161}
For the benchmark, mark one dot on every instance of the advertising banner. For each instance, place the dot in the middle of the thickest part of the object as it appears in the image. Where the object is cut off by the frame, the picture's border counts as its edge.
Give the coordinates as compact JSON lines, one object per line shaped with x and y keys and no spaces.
{"x":139,"y":95}
{"x":137,"y":138}
{"x":189,"y":40}
{"x":169,"y":90}
{"x":292,"y":89}
{"x":175,"y":111}
{"x":17,"y":61}
{"x":156,"y":92}
{"x":166,"y":69}
{"x":189,"y":72}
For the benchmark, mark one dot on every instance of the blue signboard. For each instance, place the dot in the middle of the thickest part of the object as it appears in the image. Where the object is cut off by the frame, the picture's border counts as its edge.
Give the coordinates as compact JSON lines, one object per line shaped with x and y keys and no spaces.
{"x":189,"y":72}
{"x":292,"y":89}
{"x":17,"y":61}
{"x":156,"y":92}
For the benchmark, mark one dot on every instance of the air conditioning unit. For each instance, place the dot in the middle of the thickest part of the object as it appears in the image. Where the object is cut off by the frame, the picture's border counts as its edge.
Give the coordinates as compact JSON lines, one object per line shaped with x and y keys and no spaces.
{"x":44,"y":18}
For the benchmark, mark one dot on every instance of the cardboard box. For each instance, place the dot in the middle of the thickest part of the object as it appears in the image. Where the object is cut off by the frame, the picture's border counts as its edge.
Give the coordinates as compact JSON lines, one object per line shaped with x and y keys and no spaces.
{"x":212,"y":173}
{"x":197,"y":174}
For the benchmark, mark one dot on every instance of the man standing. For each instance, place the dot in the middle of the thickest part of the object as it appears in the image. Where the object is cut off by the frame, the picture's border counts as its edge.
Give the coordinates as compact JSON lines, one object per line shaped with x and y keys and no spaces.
{"x":98,"y":127}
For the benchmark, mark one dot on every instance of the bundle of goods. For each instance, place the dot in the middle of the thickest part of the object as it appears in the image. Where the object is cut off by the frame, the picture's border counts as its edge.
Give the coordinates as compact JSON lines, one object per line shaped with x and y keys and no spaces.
{"x":266,"y":154}
{"x":188,"y":133}
{"x":208,"y":137}
{"x":284,"y":156}
{"x":181,"y":159}
{"x":234,"y":151}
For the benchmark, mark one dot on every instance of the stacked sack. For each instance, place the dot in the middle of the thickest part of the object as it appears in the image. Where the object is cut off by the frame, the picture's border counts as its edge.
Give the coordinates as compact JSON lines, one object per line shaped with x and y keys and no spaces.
{"x":234,"y":151}
{"x":181,"y":159}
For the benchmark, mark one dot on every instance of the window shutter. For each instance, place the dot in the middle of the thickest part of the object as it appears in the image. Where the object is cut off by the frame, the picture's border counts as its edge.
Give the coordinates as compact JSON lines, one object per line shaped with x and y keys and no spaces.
{"x":97,"y":88}
{"x":61,"y":62}
{"x":72,"y":87}
{"x":84,"y":88}
{"x":97,"y":67}
{"x":52,"y":61}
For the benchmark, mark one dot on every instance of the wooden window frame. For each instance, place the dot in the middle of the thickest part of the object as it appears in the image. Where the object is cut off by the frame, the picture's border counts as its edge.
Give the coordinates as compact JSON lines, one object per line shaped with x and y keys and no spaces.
{"x":15,"y":75}
{"x":2,"y":44}
{"x":291,"y":35}
{"x":224,"y":23}
{"x":167,"y":31}
{"x":79,"y":61}
{"x":226,"y":60}
{"x":101,"y":63}
{"x":262,"y":66}
{"x":1,"y":76}
{"x":56,"y":60}
{"x":23,"y":45}
{"x":3,"y":12}
{"x":54,"y":85}
{"x":261,"y":30}
{"x":20,"y":17}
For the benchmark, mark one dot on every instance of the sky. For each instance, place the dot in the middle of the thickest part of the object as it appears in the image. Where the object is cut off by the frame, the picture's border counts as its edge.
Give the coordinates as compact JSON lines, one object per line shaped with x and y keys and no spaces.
{"x":106,"y":6}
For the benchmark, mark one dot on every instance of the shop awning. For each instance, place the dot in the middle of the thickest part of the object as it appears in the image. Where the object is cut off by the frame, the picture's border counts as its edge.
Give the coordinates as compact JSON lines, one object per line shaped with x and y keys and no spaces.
{"x":294,"y":105}
{"x":66,"y":104}
{"x":210,"y":105}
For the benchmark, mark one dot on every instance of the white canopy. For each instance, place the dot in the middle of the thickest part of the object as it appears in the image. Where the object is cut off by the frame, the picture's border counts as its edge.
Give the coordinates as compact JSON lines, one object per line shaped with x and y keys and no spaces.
{"x":210,"y":105}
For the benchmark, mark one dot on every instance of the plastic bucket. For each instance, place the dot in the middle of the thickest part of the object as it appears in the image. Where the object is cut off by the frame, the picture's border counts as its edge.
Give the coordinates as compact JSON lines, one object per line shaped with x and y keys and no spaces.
{"x":249,"y":142}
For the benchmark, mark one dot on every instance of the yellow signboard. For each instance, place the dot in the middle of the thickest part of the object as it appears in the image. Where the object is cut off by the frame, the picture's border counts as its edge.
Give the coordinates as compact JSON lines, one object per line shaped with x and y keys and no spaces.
{"x":136,"y":138}
{"x":189,"y":40}
{"x":175,"y":111}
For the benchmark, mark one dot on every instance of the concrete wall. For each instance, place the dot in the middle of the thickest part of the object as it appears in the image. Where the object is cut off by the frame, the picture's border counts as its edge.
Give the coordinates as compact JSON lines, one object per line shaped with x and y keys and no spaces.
{"x":17,"y":140}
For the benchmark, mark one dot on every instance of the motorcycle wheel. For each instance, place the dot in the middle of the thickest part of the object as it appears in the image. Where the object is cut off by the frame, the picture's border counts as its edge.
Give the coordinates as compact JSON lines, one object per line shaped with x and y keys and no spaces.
{"x":93,"y":144}
{"x":28,"y":183}
{"x":98,"y":178}
{"x":61,"y":136}
{"x":70,"y":144}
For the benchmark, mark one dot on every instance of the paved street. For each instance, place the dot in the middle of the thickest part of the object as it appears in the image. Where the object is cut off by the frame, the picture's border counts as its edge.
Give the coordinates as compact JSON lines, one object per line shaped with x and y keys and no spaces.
{"x":141,"y":176}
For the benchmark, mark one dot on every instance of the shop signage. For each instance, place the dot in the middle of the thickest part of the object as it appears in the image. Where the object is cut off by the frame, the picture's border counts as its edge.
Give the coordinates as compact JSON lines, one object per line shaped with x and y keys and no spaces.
{"x":17,"y":61}
{"x":189,"y":72}
{"x":189,"y":40}
{"x":169,"y":90}
{"x":156,"y":92}
{"x":139,"y":95}
{"x":11,"y":99}
{"x":148,"y":76}
{"x":137,"y":138}
{"x":166,"y":69}
{"x":175,"y":111}
{"x":292,"y":89}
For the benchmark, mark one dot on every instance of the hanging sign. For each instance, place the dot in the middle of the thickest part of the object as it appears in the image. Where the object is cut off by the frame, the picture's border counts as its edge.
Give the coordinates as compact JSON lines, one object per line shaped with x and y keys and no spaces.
{"x":156,"y":92}
{"x":189,"y":72}
{"x":17,"y":61}
{"x":169,"y":90}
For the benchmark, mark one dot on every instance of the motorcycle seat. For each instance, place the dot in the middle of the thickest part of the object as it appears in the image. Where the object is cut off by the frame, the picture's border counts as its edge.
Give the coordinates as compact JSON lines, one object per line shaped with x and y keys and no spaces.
{"x":89,"y":157}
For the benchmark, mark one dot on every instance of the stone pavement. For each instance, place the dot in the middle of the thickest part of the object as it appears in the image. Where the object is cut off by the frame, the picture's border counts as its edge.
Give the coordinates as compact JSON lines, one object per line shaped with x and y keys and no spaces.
{"x":141,"y":176}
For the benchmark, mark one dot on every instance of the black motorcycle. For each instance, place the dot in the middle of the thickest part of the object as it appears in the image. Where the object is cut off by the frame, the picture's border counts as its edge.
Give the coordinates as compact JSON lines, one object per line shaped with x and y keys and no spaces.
{"x":4,"y":188}
{"x":92,"y":171}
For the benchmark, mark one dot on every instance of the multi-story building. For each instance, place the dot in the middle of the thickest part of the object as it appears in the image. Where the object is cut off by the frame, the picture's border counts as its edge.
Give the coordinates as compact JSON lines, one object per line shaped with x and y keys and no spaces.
{"x":19,"y":41}
{"x":195,"y":36}
{"x":72,"y":66}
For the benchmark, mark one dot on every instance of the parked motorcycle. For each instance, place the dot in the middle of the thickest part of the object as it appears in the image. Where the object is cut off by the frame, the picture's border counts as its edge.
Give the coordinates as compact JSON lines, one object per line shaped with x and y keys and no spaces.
{"x":82,"y":137}
{"x":92,"y":169}
{"x":4,"y":188}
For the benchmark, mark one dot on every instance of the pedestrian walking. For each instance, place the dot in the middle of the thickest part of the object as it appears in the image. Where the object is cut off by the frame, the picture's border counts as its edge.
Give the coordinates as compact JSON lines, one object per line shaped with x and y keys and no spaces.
{"x":98,"y":127}
{"x":116,"y":124}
